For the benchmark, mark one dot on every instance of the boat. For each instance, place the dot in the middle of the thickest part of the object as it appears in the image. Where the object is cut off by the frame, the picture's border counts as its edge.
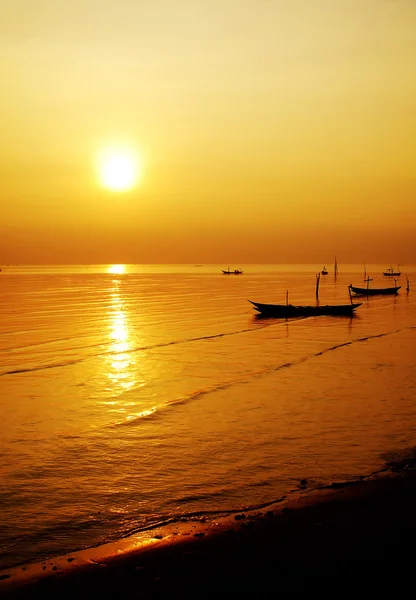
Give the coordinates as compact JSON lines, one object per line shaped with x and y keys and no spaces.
{"x":367,"y":291}
{"x":235,"y":272}
{"x":390,"y":272}
{"x":285,"y":311}
{"x":324,"y":270}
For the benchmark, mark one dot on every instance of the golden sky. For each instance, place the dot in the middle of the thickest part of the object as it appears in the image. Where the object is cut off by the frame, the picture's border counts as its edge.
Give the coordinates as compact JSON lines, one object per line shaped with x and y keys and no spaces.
{"x":267,"y":130}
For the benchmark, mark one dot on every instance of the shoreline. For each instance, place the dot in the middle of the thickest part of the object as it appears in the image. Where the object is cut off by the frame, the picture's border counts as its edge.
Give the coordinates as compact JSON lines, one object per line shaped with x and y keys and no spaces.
{"x":362,"y":531}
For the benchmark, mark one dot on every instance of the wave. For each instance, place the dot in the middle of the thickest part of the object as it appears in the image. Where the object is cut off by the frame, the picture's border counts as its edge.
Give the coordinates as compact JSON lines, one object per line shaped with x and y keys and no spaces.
{"x":404,"y":460}
{"x":161,"y":524}
{"x":395,"y":462}
{"x":56,"y":365}
{"x":66,"y":363}
{"x":155,"y":411}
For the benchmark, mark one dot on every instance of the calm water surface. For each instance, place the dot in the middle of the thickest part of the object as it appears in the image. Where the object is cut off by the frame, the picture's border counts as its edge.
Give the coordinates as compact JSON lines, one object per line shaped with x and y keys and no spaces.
{"x":133,"y":395}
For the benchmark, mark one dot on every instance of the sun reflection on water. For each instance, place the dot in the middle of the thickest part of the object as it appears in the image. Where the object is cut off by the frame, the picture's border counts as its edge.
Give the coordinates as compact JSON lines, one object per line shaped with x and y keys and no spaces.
{"x":122,"y":366}
{"x":125,"y":371}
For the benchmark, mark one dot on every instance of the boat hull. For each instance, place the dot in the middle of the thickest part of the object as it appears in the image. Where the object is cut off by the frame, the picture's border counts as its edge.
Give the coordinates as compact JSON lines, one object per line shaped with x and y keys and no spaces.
{"x":358,"y":291}
{"x":286,"y":311}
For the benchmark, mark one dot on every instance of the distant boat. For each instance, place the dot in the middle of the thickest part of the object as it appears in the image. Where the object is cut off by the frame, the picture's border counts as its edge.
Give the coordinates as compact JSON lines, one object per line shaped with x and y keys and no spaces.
{"x":324,"y":270}
{"x":390,"y":272}
{"x":367,"y":291}
{"x":234,"y":272}
{"x":285,"y":311}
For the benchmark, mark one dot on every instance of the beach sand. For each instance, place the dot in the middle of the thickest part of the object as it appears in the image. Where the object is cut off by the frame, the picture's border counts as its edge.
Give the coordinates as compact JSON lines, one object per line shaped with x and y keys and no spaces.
{"x":354,"y":537}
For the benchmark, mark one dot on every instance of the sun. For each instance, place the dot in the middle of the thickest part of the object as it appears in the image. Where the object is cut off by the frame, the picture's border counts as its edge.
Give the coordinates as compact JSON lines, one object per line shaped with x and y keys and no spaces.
{"x":117,"y":269}
{"x":118,"y":169}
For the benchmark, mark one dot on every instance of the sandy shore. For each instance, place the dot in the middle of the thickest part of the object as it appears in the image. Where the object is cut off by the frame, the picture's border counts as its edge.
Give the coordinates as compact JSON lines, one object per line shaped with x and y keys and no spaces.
{"x":360,"y":535}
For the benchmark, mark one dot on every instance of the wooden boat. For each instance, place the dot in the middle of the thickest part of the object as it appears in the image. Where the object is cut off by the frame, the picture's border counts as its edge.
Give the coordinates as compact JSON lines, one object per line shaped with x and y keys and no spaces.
{"x":324,"y":271}
{"x":285,"y":311}
{"x":235,"y":272}
{"x":367,"y":291}
{"x":390,"y":272}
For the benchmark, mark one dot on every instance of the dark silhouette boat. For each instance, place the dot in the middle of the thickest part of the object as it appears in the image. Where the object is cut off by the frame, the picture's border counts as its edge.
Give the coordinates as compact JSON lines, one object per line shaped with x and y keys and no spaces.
{"x":234,"y":272}
{"x":285,"y":311}
{"x":324,"y":270}
{"x":390,"y":272}
{"x":367,"y":291}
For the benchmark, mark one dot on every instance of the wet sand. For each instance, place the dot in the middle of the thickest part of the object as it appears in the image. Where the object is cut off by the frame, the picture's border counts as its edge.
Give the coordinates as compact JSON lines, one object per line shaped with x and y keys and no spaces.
{"x":360,"y":535}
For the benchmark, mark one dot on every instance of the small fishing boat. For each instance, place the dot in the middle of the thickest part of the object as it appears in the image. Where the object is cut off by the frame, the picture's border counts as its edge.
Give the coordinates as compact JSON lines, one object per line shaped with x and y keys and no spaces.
{"x":390,"y":272}
{"x":234,"y":272}
{"x":367,"y":291}
{"x":285,"y":311}
{"x":324,"y":270}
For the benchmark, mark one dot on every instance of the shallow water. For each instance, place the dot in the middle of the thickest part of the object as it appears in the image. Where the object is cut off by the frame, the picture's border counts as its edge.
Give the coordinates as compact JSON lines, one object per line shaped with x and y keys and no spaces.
{"x":131,"y":398}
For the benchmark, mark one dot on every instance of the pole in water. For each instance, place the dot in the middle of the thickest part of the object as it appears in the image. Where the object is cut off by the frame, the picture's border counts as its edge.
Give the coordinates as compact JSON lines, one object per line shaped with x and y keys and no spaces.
{"x":318,"y":277}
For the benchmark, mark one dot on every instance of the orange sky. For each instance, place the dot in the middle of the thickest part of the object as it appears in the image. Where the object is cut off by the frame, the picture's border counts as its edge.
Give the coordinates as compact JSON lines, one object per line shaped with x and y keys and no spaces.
{"x":269,"y":130}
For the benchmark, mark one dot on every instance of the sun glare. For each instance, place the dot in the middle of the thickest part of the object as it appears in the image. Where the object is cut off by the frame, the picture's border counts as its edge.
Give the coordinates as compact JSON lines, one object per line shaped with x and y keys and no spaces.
{"x":116,"y":269}
{"x":118,"y":169}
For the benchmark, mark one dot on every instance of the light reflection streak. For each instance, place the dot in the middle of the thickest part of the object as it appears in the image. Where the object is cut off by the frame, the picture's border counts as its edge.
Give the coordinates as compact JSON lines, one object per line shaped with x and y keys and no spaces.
{"x":141,"y":415}
{"x":121,"y":367}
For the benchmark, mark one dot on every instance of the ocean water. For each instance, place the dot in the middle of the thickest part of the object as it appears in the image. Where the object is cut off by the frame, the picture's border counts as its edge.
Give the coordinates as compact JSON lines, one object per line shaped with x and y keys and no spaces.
{"x":135,"y":395}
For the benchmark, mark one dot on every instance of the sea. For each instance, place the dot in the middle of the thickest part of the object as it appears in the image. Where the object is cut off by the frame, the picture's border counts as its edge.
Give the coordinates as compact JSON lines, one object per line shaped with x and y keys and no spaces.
{"x":132,"y":396}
